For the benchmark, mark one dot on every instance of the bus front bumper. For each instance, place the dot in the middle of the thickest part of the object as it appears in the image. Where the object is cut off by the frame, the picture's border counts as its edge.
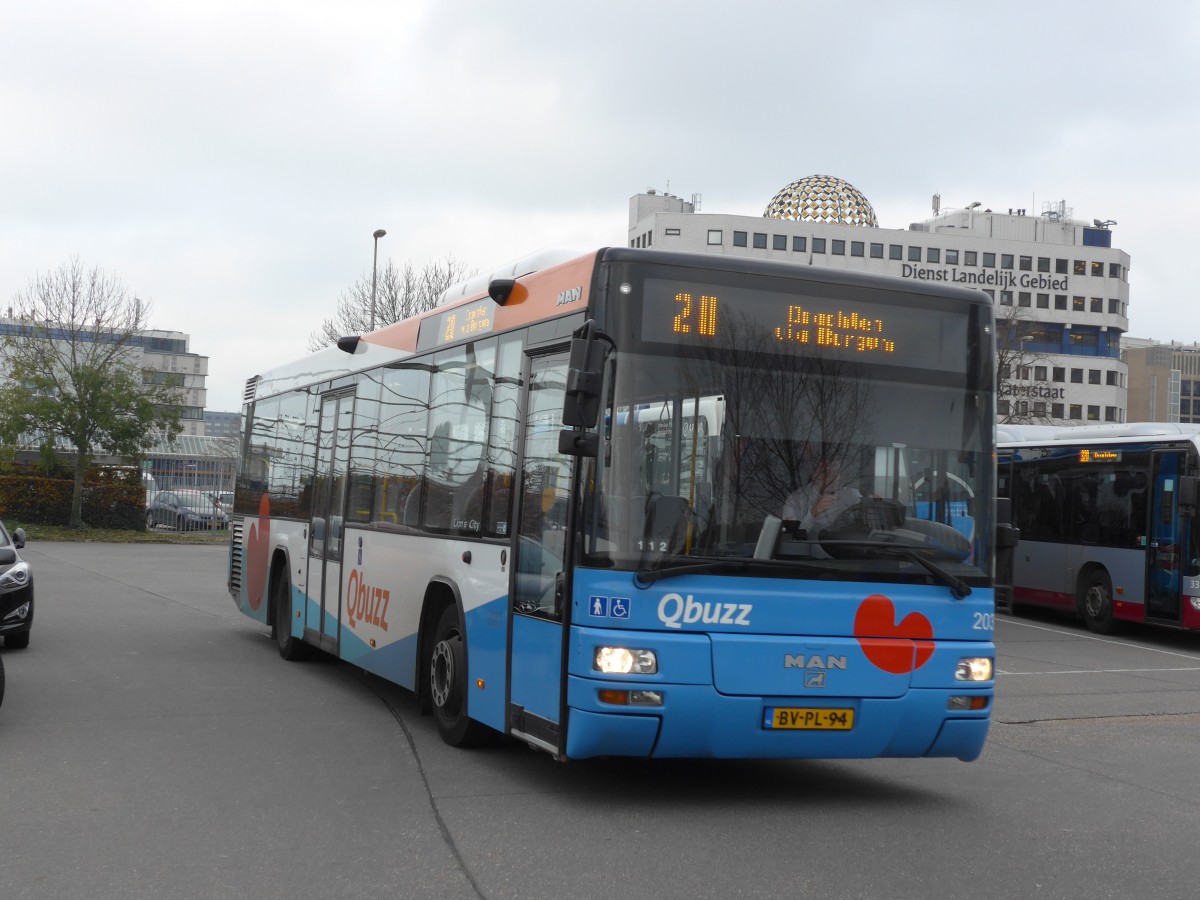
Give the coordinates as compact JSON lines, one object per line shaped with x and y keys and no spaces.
{"x":696,"y":721}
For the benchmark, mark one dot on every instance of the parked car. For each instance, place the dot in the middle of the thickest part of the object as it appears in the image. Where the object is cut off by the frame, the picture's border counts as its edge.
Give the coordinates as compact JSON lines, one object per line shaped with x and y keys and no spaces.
{"x":185,"y":511}
{"x":224,"y":499}
{"x":16,"y":590}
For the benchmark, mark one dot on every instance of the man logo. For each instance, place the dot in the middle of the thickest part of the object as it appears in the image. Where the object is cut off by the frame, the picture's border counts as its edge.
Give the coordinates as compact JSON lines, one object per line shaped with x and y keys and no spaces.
{"x":820,"y":663}
{"x":814,"y":679}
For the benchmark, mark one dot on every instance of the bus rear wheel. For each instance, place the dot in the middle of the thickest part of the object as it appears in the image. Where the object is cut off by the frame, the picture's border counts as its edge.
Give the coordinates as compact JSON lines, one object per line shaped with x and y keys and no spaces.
{"x":447,"y":667}
{"x":1097,"y":603}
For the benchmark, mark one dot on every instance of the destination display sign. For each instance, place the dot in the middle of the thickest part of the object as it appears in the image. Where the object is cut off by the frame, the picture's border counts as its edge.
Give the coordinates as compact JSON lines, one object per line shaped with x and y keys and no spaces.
{"x":460,"y":323}
{"x":741,"y":318}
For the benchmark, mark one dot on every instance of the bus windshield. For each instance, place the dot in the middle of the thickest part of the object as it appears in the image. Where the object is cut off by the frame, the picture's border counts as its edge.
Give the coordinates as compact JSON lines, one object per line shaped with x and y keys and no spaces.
{"x":781,"y":461}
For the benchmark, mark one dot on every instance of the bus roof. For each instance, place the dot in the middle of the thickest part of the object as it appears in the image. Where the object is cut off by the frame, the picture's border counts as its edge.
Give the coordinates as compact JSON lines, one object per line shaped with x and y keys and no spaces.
{"x":1074,"y":434}
{"x":545,"y":278}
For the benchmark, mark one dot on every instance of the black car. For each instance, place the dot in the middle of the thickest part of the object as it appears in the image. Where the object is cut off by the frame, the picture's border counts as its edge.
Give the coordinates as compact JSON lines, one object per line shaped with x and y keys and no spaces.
{"x":16,"y":590}
{"x":185,"y":510}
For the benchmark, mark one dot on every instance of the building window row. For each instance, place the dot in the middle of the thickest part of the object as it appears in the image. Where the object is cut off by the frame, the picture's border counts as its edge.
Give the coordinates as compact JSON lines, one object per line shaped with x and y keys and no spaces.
{"x":1029,"y":299}
{"x":1039,"y":409}
{"x":987,"y":260}
{"x":1063,"y":375}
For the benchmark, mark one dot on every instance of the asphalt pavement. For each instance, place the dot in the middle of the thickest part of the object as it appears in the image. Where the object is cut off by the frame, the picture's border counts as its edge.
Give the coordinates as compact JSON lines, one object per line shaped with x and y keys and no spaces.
{"x":155,"y":746}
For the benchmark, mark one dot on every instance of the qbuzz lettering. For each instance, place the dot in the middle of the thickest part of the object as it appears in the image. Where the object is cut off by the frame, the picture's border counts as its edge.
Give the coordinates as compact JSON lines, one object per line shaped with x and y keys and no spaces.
{"x":366,"y":603}
{"x":675,"y":611}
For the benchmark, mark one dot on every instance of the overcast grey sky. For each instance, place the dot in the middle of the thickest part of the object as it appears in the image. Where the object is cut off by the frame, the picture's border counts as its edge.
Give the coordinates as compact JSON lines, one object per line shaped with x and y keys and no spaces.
{"x":230,"y":160}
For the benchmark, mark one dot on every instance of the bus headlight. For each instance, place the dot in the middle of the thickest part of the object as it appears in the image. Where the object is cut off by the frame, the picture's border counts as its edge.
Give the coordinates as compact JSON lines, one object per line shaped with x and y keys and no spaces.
{"x":624,"y":661}
{"x":974,"y":668}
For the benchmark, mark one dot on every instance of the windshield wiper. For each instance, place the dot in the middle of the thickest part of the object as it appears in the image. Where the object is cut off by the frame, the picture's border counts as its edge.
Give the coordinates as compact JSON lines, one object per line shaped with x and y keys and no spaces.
{"x":958,"y":587}
{"x":647,"y":575}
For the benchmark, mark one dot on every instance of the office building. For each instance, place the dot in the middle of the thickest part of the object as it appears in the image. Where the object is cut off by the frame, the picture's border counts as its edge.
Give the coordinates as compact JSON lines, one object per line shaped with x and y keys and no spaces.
{"x":162,"y":356}
{"x":1164,"y":380}
{"x":1060,"y":288}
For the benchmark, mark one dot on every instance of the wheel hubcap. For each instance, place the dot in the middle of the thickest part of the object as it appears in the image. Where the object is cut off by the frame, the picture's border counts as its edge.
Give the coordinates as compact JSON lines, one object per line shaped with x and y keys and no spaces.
{"x":1095,"y":601}
{"x":441,"y":680}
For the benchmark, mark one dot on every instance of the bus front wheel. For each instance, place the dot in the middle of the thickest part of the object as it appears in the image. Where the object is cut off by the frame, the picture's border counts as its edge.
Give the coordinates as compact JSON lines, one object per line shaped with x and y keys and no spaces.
{"x":447,"y":667}
{"x":1097,"y":605}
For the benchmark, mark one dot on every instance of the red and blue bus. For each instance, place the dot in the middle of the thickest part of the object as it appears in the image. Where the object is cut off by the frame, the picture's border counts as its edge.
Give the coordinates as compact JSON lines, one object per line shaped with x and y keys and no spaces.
{"x":557,"y":507}
{"x":1107,"y":520}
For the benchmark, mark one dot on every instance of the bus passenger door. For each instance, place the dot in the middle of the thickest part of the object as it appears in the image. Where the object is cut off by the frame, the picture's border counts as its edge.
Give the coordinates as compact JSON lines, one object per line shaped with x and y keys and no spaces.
{"x":1167,"y":538}
{"x":328,"y":518}
{"x":536,"y":646}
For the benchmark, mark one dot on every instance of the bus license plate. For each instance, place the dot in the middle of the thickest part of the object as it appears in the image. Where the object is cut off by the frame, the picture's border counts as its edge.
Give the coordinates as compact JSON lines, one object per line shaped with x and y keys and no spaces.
{"x":813,"y":718}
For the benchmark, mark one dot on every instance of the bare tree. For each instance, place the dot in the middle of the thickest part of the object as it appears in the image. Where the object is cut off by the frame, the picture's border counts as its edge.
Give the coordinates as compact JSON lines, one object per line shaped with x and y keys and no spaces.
{"x":1029,"y":398}
{"x":399,"y":294}
{"x":73,"y":371}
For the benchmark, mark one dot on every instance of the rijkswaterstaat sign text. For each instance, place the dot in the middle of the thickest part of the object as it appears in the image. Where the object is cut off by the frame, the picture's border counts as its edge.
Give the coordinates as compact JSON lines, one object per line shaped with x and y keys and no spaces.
{"x":1002,"y":278}
{"x":1037,"y":391}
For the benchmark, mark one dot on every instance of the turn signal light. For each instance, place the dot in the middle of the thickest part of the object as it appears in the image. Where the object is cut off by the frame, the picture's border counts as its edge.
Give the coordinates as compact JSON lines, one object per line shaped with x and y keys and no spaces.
{"x":973,"y":701}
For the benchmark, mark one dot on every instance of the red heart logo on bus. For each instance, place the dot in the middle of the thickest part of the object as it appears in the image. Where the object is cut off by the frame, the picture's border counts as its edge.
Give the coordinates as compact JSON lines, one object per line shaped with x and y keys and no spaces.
{"x":888,"y":645}
{"x":255,"y":555}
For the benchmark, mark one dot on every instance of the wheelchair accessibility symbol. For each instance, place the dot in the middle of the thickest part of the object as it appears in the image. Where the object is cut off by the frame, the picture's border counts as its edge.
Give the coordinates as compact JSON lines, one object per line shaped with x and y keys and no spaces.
{"x":608,"y":607}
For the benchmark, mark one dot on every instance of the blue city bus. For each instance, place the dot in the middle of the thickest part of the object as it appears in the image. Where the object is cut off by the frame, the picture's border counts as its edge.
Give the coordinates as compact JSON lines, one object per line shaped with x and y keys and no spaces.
{"x":562,"y":507}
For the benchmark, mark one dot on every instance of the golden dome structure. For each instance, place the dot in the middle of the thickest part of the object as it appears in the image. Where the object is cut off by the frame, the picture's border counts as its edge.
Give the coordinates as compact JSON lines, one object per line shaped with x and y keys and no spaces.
{"x":822,"y":198}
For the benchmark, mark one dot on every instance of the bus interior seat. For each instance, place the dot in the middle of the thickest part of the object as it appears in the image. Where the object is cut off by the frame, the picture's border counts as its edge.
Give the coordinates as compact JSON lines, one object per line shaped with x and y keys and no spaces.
{"x":466,"y":501}
{"x":666,"y":520}
{"x":334,"y":545}
{"x":412,"y":506}
{"x":943,"y":537}
{"x":1122,"y":483}
{"x":389,"y":500}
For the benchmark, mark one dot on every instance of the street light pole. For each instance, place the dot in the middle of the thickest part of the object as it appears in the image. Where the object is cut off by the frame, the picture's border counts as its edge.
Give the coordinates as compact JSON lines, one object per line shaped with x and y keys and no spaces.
{"x":379,"y":232}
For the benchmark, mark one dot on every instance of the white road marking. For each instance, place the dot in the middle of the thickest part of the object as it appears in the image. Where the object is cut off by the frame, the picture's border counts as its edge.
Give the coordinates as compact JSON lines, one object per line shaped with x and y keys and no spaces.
{"x":1100,"y":671}
{"x":1102,"y":640}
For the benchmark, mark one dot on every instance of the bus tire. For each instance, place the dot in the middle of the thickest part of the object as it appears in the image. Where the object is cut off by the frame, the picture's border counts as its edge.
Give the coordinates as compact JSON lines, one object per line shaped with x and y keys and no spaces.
{"x":1096,"y":602}
{"x":290,"y":648}
{"x":447,"y":668}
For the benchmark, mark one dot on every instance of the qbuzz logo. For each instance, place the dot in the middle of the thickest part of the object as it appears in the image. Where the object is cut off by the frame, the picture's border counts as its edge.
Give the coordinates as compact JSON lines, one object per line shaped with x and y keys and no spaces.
{"x":675,"y":611}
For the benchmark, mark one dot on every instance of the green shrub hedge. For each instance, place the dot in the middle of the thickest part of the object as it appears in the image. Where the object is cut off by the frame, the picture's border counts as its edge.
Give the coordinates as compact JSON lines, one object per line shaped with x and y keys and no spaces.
{"x":108,"y":501}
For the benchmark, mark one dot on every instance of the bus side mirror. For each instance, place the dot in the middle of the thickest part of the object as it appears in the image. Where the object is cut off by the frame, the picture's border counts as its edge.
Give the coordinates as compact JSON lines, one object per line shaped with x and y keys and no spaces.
{"x":575,"y":442}
{"x":1004,"y":510}
{"x":1007,"y":536}
{"x":581,"y":406}
{"x":1187,"y":495}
